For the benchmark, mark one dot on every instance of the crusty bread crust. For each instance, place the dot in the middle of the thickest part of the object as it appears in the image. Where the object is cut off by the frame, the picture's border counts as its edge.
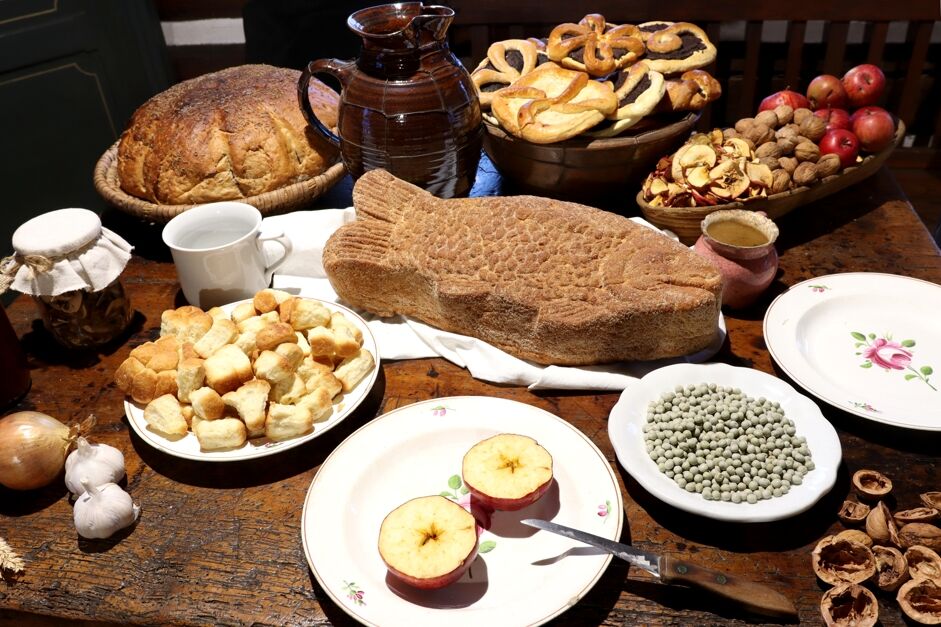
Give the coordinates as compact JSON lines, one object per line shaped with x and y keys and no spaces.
{"x":226,"y":135}
{"x":549,"y":281}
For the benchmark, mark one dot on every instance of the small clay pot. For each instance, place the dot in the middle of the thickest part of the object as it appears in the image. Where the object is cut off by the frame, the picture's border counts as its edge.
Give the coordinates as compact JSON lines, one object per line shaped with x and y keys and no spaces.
{"x":740,"y":243}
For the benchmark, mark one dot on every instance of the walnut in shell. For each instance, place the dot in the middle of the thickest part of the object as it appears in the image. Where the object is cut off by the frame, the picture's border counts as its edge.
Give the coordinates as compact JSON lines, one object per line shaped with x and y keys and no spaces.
{"x":923,"y":563}
{"x":780,"y":181}
{"x":789,"y":164}
{"x":805,"y":173}
{"x":807,"y":151}
{"x":881,"y":526}
{"x":891,"y":568}
{"x":784,"y":113}
{"x":827,"y":165}
{"x":813,"y":128}
{"x":768,"y":118}
{"x":802,"y":114}
{"x":837,"y":560}
{"x":853,"y":513}
{"x":744,"y":124}
{"x":849,"y":605}
{"x":871,"y":484}
{"x":920,"y":599}
{"x":923,"y":534}
{"x":770,"y":149}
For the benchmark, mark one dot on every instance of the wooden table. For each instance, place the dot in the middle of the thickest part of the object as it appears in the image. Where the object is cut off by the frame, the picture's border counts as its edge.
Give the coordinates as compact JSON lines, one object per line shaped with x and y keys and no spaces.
{"x":220,"y":543}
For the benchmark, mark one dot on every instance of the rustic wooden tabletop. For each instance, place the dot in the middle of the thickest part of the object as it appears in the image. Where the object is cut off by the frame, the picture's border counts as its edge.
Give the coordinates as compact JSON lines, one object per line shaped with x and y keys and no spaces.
{"x":221,"y":544}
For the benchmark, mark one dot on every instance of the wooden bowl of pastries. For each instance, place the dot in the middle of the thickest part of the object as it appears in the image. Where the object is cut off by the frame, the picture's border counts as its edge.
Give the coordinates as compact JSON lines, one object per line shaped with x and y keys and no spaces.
{"x":586,"y":112}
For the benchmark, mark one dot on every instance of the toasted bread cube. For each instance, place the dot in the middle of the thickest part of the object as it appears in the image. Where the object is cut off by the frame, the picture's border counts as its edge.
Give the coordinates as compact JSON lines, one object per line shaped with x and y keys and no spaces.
{"x":325,"y":380}
{"x":352,"y":369}
{"x":160,"y":355}
{"x":307,"y":314}
{"x":319,"y":402}
{"x":311,"y":367}
{"x":243,"y":311}
{"x":226,"y":433}
{"x":322,"y":341}
{"x":227,"y":369}
{"x":287,"y":421}
{"x":286,"y":307}
{"x":217,"y":313}
{"x":273,"y":334}
{"x":189,"y":376}
{"x":207,"y":403}
{"x":188,"y":414}
{"x":289,"y":391}
{"x":272,"y":367}
{"x":187,"y":323}
{"x":292,"y":353}
{"x":222,"y":332}
{"x":302,"y":343}
{"x":257,"y":323}
{"x":166,"y":383}
{"x":246,"y":343}
{"x":339,"y":321}
{"x":129,"y":370}
{"x":165,"y":415}
{"x":250,"y":402}
{"x":187,"y":350}
{"x":268,"y":299}
{"x":345,"y":342}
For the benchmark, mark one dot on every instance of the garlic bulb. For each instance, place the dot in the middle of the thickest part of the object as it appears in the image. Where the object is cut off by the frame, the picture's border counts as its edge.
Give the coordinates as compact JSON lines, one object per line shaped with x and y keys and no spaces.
{"x":103,"y":510}
{"x":99,"y":463}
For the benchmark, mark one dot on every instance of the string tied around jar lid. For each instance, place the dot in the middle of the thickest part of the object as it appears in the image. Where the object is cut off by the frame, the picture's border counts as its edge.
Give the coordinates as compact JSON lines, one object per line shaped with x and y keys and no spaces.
{"x":11,"y":264}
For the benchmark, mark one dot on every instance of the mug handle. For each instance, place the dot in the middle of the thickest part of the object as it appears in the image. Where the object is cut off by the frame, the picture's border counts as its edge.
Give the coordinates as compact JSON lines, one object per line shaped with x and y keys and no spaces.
{"x":280,"y":238}
{"x":340,"y":70}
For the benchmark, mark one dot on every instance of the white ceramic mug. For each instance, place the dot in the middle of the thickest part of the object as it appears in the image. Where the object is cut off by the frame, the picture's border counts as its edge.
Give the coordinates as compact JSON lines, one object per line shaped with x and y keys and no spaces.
{"x":218,"y":250}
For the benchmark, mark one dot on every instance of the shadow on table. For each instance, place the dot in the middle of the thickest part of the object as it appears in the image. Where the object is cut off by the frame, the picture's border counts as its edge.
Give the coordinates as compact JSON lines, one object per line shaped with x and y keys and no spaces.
{"x":263,"y":470}
{"x":42,"y":349}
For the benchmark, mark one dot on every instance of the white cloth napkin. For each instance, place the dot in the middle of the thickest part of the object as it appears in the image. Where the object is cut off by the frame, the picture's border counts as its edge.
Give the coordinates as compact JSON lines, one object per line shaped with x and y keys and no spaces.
{"x":403,"y":338}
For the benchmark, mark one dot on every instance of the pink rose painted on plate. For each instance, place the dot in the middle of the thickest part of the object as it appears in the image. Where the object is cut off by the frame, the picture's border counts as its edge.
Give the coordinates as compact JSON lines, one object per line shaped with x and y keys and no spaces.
{"x":889,"y":354}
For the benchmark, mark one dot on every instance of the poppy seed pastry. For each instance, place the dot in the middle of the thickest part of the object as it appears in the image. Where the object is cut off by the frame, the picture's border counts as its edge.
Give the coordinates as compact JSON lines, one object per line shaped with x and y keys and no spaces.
{"x":549,"y":281}
{"x":227,"y":135}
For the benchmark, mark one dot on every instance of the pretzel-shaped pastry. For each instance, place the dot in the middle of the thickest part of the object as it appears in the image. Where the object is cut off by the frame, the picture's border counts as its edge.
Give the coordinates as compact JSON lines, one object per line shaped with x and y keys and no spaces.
{"x":594,"y":46}
{"x":506,"y":61}
{"x":678,"y":48}
{"x":551,"y":104}
{"x":691,"y":92}
{"x":638,"y":90}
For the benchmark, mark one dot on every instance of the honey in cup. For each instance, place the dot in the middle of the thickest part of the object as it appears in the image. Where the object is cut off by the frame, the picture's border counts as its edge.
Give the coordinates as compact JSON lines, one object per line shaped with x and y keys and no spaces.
{"x":740,"y":244}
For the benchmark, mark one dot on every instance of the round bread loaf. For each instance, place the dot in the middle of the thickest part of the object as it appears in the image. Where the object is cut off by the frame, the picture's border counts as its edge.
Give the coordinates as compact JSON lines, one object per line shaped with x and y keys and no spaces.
{"x":227,"y":135}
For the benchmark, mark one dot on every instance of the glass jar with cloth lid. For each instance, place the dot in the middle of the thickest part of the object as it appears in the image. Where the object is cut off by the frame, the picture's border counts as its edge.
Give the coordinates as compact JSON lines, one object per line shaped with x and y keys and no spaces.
{"x":71,"y":265}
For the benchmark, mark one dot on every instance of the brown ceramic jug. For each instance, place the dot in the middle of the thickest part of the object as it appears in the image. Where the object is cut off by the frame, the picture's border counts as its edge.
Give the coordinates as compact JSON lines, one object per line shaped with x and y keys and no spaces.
{"x":407,"y":105}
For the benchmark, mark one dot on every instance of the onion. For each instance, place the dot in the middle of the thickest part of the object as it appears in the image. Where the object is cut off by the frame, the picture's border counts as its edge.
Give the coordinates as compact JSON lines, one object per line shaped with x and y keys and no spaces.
{"x":33,"y":447}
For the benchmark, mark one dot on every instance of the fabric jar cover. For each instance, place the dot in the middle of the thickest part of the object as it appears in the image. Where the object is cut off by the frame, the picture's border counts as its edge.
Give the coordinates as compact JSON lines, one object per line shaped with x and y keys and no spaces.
{"x":84,"y":254}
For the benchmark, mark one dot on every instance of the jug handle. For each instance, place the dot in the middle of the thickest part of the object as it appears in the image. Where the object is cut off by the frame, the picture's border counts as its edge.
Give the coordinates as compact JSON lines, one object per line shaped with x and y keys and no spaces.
{"x":335,"y":68}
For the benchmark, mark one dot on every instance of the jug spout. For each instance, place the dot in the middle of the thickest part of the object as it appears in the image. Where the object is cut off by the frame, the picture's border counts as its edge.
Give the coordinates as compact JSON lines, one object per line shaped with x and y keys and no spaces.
{"x":401,"y":26}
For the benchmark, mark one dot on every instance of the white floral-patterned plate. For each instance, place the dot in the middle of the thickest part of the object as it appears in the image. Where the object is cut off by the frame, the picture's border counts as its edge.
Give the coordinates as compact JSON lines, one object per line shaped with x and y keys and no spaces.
{"x":187,"y":446}
{"x":629,"y":415}
{"x":521,"y":577}
{"x":864,"y":342}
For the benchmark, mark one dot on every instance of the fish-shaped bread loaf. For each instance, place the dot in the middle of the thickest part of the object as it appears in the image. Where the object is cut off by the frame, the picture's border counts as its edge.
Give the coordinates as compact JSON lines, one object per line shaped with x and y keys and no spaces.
{"x":549,"y":281}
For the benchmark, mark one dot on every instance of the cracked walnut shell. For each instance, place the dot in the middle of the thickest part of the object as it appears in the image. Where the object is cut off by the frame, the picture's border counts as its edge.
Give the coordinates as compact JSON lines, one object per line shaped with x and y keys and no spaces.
{"x":923,"y":534}
{"x":871,"y":484}
{"x":880,"y":525}
{"x":917,"y":514}
{"x":931,"y":499}
{"x":891,"y":568}
{"x":920,"y":599}
{"x":837,"y":560}
{"x":849,"y":605}
{"x":853,"y":513}
{"x":923,"y":563}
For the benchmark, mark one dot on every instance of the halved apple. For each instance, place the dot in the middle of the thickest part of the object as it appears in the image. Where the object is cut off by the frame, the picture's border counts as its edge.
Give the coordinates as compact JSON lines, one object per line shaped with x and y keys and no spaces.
{"x":428,"y":542}
{"x":507,"y":471}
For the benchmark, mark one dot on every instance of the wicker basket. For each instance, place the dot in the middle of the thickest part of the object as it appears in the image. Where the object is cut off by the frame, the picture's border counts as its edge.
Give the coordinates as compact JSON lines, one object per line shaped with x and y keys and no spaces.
{"x":686,"y":221}
{"x":281,"y":200}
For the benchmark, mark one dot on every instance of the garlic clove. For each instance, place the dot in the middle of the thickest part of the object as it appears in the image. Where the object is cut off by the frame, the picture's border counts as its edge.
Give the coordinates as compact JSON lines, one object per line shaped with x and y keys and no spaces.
{"x":103,"y":510}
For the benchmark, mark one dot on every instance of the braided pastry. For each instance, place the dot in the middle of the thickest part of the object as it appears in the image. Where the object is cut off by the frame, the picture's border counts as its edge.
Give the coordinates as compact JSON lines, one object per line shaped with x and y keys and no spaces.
{"x":551,"y":104}
{"x":594,"y":46}
{"x":506,"y":61}
{"x":690,"y":92}
{"x":638,"y":90}
{"x":678,"y":48}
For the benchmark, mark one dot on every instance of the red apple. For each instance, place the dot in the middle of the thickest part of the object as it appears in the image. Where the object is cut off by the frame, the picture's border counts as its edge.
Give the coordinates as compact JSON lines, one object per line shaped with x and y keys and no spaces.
{"x":864,"y":85}
{"x":507,"y":471}
{"x":428,"y":542}
{"x":875,"y":128}
{"x":826,"y":91}
{"x":842,"y":143}
{"x":835,"y":118}
{"x":784,"y":97}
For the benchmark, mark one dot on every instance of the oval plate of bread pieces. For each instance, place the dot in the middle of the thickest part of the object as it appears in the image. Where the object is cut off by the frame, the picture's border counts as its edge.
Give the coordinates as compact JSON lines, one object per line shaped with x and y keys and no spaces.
{"x":265,"y":375}
{"x":518,"y":575}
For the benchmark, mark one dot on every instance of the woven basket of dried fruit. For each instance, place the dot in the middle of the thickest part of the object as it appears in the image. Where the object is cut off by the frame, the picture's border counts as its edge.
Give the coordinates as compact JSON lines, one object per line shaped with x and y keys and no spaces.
{"x":697,"y":178}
